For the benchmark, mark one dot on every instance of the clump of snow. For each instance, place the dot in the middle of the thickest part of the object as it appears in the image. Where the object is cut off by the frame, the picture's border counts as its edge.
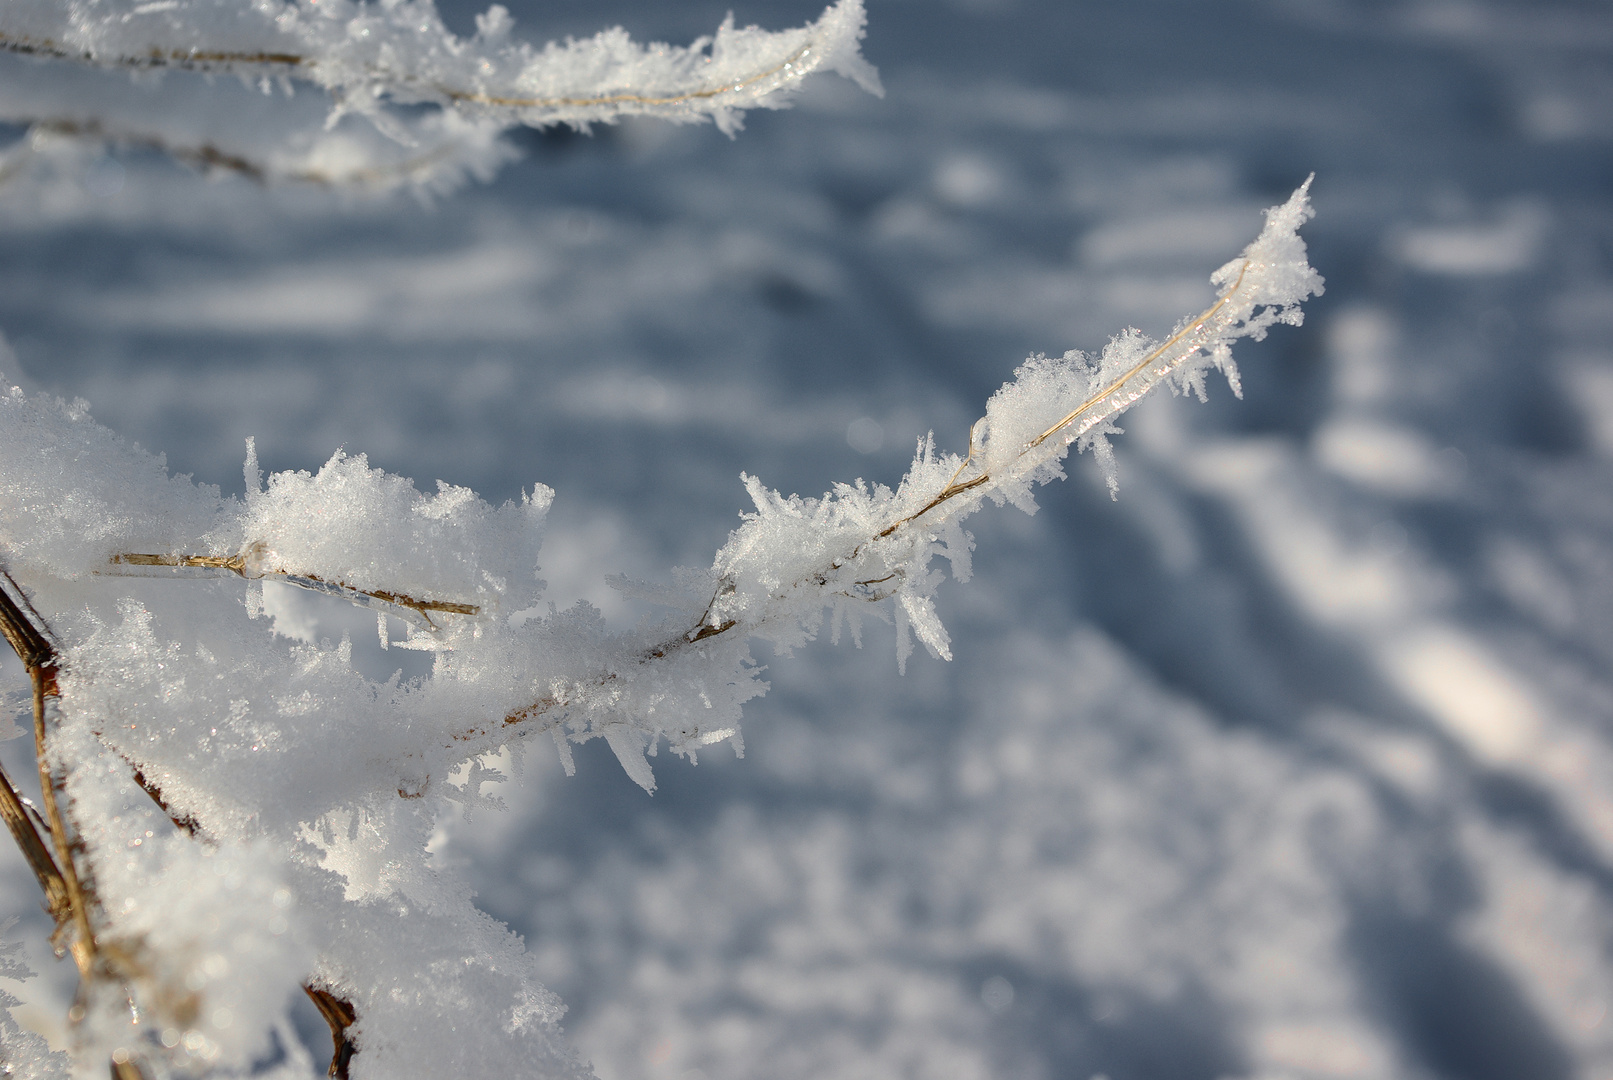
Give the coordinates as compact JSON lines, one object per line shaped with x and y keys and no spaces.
{"x":73,"y":494}
{"x":207,"y":936}
{"x":370,"y":530}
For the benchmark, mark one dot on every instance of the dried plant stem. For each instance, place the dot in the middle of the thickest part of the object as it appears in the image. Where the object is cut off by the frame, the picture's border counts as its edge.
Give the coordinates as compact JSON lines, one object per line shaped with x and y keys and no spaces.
{"x":1098,"y":407}
{"x":241,"y":567}
{"x":207,"y":156}
{"x":27,"y":642}
{"x":340,"y":1015}
{"x":70,"y":898}
{"x":40,"y":860}
{"x":21,"y":625}
{"x":65,"y":891}
{"x":1112,"y":398}
{"x":1106,"y":402}
{"x":34,"y":650}
{"x":1091,"y":410}
{"x":192,"y":59}
{"x":233,"y":563}
{"x":517,"y":102}
{"x":288,"y":63}
{"x":79,"y":899}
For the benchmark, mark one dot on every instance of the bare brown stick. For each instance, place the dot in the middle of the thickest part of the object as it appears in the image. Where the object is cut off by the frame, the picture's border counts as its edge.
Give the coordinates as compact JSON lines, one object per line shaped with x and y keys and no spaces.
{"x":40,"y":860}
{"x":234,"y":563}
{"x":190,"y":59}
{"x":23,"y":626}
{"x":340,"y":1015}
{"x":24,"y":631}
{"x":182,"y":821}
{"x":237,"y":564}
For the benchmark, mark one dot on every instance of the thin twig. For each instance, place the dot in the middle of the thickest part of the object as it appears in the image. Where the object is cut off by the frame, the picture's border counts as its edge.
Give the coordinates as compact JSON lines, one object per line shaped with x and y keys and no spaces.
{"x":182,"y":821}
{"x":234,"y":563}
{"x":23,"y":630}
{"x":1093,"y":401}
{"x":237,"y":564}
{"x":22,"y":626}
{"x":340,"y":1015}
{"x":79,"y":898}
{"x":704,"y":630}
{"x":190,"y":59}
{"x":68,"y":898}
{"x":40,"y":861}
{"x":207,"y":156}
{"x":953,"y":489}
{"x":204,"y":60}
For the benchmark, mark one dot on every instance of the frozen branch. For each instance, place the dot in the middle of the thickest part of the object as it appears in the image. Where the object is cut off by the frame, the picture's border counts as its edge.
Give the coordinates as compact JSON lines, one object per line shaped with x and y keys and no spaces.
{"x":370,"y":58}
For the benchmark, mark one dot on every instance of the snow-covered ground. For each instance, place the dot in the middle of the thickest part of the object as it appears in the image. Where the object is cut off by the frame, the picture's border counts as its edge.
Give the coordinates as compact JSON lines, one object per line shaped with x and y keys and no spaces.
{"x":1295,"y":761}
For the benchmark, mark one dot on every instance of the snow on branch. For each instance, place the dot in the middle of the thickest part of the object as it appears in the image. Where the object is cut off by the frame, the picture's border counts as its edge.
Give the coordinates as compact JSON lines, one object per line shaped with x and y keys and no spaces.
{"x":249,"y":817}
{"x":370,"y":58}
{"x":857,"y":547}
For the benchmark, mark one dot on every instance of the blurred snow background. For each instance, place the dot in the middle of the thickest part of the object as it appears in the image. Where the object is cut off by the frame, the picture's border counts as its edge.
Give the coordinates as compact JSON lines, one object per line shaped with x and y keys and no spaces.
{"x":1296,"y":761}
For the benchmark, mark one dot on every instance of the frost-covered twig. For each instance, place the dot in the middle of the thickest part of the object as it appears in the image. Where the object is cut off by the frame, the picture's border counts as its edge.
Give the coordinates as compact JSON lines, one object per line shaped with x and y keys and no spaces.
{"x":72,"y":905}
{"x":371,"y":57}
{"x":33,"y":648}
{"x":66,"y":896}
{"x":795,"y":558}
{"x":68,"y":888}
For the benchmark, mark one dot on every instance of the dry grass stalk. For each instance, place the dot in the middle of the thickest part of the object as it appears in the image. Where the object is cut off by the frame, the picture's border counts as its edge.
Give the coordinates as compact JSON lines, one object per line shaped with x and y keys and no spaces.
{"x":209,"y":158}
{"x":69,"y":894}
{"x":204,"y":60}
{"x":245,"y":566}
{"x":339,"y":1014}
{"x":69,"y":891}
{"x":1113,"y":398}
{"x":1110,"y":400}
